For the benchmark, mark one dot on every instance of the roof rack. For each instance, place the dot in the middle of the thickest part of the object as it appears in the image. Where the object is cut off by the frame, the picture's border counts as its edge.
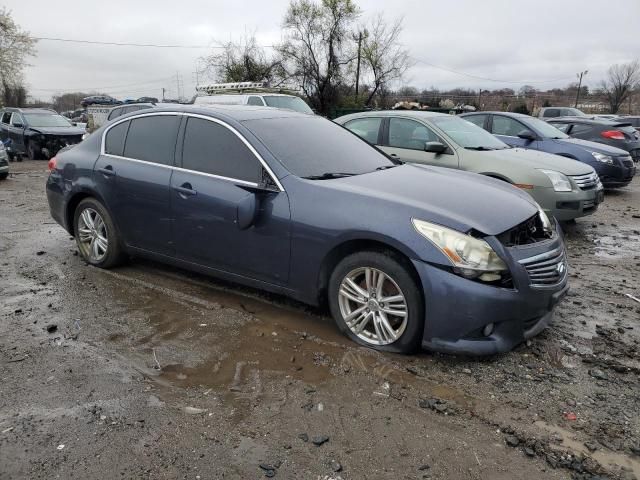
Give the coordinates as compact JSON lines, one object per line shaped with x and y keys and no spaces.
{"x":241,"y":87}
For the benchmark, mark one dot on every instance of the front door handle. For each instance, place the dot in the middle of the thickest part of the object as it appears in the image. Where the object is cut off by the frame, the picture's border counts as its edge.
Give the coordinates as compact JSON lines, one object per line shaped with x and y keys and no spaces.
{"x":185,"y":190}
{"x":108,"y":171}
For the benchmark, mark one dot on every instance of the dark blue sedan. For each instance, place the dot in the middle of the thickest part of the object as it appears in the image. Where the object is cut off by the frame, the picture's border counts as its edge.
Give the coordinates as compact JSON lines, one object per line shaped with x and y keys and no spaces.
{"x":614,"y":166}
{"x":405,"y":256}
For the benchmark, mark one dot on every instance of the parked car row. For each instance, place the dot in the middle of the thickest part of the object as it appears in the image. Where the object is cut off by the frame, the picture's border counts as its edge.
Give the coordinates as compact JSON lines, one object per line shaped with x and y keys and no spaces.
{"x":614,"y":166}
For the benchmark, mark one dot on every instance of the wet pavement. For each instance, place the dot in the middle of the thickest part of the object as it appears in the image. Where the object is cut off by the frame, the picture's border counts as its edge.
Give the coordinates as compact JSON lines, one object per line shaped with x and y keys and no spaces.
{"x":146,"y":371}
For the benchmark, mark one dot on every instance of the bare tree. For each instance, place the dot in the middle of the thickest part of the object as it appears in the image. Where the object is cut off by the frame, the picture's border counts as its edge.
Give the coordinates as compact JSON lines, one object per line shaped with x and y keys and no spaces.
{"x":15,"y":46}
{"x":244,"y":61}
{"x":620,"y":82}
{"x":384,"y":56}
{"x":317,"y":49}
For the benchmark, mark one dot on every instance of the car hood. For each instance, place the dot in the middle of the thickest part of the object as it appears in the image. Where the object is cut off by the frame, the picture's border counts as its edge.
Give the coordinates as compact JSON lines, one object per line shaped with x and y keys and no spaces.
{"x":58,"y":130}
{"x":594,"y":146}
{"x":537,"y":159}
{"x":459,"y":200}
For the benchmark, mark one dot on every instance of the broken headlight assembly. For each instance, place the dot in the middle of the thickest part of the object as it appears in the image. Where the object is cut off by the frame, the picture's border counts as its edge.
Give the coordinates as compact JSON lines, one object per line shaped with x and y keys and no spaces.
{"x":471,"y":257}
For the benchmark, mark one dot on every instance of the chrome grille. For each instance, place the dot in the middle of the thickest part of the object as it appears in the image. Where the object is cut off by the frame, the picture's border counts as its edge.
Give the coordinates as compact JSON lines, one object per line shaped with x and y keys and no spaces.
{"x":586,"y":182}
{"x":547,"y":269}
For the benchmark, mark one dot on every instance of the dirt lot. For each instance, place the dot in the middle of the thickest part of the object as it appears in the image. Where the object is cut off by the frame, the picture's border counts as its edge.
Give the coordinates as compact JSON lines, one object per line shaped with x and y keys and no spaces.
{"x":150,"y":372}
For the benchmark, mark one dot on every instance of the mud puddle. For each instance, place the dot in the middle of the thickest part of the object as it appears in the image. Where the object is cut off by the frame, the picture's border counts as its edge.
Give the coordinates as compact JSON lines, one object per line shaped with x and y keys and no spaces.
{"x":622,"y":243}
{"x":196,"y":335}
{"x":606,"y":458}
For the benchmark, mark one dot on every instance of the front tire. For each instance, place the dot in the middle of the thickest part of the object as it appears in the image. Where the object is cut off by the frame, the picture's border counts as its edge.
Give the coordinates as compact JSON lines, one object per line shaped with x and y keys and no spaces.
{"x":96,"y":235}
{"x":376,"y":302}
{"x":32,"y":153}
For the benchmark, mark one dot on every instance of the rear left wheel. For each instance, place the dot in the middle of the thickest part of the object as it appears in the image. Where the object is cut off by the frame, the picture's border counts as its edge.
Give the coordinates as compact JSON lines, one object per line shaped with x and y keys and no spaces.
{"x":96,"y":234}
{"x":376,"y":302}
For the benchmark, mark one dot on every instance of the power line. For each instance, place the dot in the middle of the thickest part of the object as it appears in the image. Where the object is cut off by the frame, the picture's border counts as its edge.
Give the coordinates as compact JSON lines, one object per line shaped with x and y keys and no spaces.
{"x":470,"y":75}
{"x":138,"y":84}
{"x":123,"y":44}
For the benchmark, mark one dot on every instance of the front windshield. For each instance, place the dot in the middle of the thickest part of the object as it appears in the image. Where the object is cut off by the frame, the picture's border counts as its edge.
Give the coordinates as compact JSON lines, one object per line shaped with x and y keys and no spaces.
{"x":546,"y":130}
{"x":289,"y":103}
{"x":46,"y":120}
{"x":300,"y":144}
{"x":467,"y":134}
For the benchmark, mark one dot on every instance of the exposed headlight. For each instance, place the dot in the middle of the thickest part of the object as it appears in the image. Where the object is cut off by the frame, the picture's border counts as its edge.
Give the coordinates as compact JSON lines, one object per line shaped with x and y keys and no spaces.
{"x":560,"y":181}
{"x":84,"y":136}
{"x":471,"y":257}
{"x":547,"y":225}
{"x":601,"y":157}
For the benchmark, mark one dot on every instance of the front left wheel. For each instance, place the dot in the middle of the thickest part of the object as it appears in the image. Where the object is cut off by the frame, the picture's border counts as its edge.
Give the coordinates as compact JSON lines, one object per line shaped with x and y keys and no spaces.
{"x":376,"y":302}
{"x":96,"y":235}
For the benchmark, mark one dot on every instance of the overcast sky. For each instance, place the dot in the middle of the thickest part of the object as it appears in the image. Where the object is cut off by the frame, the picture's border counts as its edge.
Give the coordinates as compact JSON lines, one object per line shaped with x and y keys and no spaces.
{"x":538,"y":42}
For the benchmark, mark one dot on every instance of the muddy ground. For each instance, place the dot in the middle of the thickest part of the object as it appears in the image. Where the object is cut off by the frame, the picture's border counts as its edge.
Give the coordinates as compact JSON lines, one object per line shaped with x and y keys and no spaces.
{"x":150,"y":372}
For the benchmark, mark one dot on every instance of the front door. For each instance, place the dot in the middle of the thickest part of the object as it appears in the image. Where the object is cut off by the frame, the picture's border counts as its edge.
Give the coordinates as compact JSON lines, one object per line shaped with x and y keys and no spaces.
{"x":405,"y":139}
{"x":219,"y":172}
{"x":133,"y":175}
{"x":507,"y":130}
{"x":16,"y":133}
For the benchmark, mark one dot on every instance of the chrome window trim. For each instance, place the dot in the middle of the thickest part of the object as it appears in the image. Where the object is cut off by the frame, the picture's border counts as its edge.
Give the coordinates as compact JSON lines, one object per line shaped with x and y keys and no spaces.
{"x":203,"y":117}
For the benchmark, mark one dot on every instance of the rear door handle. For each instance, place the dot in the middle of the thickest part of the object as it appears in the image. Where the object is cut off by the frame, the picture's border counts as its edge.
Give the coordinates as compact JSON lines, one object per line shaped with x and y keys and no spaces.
{"x":185,"y":190}
{"x":108,"y":171}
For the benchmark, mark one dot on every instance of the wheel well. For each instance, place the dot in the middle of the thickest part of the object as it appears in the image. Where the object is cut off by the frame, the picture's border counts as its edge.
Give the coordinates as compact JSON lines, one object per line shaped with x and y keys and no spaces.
{"x":71,"y":209}
{"x":352,"y":246}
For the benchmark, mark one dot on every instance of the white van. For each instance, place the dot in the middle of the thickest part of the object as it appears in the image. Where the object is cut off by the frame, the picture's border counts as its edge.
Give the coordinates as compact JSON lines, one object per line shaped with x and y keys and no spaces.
{"x":249,"y":93}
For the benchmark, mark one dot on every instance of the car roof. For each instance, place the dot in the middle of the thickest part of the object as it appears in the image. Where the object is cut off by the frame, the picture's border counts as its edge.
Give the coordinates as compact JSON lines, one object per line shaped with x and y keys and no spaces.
{"x":238,"y":113}
{"x":30,"y":110}
{"x":397,"y":113}
{"x":496,"y":112}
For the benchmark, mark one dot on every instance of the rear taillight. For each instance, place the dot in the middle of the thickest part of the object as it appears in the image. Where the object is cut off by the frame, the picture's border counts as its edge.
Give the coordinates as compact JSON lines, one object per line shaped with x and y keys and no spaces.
{"x":52,"y":163}
{"x":613,"y":134}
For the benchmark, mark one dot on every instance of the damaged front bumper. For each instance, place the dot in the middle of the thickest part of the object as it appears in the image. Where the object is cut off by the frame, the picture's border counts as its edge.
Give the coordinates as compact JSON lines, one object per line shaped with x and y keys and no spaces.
{"x":474,"y":318}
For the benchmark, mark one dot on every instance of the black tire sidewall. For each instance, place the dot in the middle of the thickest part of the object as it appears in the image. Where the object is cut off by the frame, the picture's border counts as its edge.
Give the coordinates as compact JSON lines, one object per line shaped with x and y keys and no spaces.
{"x":4,"y":175}
{"x":392,"y":265}
{"x":114,"y":250}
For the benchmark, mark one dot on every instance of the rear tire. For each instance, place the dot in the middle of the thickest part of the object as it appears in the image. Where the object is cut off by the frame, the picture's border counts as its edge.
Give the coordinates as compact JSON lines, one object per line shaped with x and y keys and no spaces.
{"x":96,"y":235}
{"x":376,"y":302}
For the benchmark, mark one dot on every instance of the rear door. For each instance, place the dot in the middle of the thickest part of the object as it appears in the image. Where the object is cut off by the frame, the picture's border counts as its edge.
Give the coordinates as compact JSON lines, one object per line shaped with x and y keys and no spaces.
{"x":4,"y":127}
{"x":219,"y":171}
{"x":133,"y":175}
{"x":405,"y":139}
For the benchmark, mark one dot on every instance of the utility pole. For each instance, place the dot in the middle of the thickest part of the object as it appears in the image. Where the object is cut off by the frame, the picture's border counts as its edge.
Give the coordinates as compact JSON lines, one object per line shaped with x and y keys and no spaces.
{"x":163,"y":90}
{"x":361,"y":36}
{"x":579,"y":75}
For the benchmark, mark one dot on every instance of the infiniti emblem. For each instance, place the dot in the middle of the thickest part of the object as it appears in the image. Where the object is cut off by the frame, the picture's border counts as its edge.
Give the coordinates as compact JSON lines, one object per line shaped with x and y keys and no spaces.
{"x":560,"y":268}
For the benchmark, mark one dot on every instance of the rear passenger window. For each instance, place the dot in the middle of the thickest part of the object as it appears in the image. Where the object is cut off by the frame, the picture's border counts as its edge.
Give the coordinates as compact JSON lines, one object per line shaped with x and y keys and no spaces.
{"x":115,"y":113}
{"x":212,"y":148}
{"x":366,"y":128}
{"x":6,"y":116}
{"x":114,"y":142}
{"x":152,"y":139}
{"x":255,"y":101}
{"x":476,"y":119}
{"x":579,"y":129}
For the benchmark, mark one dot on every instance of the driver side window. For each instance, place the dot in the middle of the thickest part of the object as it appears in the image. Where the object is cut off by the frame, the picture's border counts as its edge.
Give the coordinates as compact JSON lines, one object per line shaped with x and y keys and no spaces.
{"x":405,"y":133}
{"x":506,"y":126}
{"x":16,"y":119}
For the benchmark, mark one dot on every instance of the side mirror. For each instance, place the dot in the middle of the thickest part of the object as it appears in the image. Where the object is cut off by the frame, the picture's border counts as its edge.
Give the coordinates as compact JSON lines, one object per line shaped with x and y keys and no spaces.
{"x":527,"y":135}
{"x":247,"y":211}
{"x":435,"y":147}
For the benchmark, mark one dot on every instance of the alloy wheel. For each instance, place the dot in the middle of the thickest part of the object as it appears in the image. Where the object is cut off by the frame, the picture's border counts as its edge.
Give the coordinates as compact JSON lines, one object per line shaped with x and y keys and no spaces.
{"x":373,"y":306}
{"x":92,"y":235}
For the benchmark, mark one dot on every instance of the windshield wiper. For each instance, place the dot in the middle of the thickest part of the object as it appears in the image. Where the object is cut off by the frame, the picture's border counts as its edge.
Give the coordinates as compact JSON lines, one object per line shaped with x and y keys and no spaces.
{"x":386,"y":167}
{"x":329,"y":176}
{"x":480,"y":149}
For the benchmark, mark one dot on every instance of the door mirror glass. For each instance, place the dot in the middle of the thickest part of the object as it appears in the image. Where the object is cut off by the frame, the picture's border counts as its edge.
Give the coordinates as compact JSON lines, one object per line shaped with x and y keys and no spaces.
{"x":434,"y":147}
{"x":527,"y":135}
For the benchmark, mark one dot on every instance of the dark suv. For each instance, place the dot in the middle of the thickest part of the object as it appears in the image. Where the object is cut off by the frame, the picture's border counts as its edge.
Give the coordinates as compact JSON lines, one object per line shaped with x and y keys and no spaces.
{"x":35,"y":132}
